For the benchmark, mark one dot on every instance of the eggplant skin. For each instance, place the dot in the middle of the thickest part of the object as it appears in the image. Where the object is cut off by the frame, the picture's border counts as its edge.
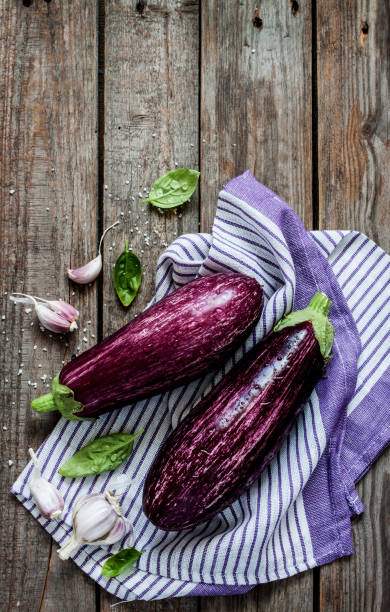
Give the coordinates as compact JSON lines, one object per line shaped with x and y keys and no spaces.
{"x":187,"y":333}
{"x":227,"y":440}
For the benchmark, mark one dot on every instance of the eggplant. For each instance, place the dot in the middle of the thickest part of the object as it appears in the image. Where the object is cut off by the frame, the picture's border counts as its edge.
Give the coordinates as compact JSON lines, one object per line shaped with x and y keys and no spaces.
{"x":184,"y":335}
{"x":227,"y":440}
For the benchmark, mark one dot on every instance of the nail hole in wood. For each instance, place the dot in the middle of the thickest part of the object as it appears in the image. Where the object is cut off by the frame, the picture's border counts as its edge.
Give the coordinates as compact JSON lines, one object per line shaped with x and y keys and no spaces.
{"x":363,"y":32}
{"x":256,"y":20}
{"x":140,"y":7}
{"x":27,"y":2}
{"x":294,"y":7}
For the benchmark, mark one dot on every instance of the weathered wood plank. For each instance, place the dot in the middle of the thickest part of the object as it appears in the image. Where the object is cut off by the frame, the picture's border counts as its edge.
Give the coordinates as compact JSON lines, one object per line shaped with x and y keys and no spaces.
{"x":48,"y":156}
{"x":151,"y":123}
{"x":256,"y":100}
{"x":354,"y":190}
{"x":256,"y":114}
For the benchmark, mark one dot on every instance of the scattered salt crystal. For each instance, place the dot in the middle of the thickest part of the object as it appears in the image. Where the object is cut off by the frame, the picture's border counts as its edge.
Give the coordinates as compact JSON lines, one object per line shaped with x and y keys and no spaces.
{"x":127,"y":182}
{"x":122,"y":213}
{"x":153,"y":135}
{"x":234,"y":144}
{"x":140,"y":195}
{"x":204,"y":140}
{"x":20,"y":371}
{"x":73,"y":293}
{"x":5,"y":292}
{"x":110,"y":195}
{"x":105,"y":186}
{"x":85,"y":339}
{"x":253,"y":51}
{"x":133,"y":198}
{"x":6,"y":380}
{"x":3,"y":318}
{"x":84,"y":330}
{"x":45,"y":349}
{"x":110,"y":248}
{"x":12,"y":191}
{"x":28,"y":310}
{"x":10,"y":462}
{"x":48,"y":209}
{"x":32,"y":323}
{"x":5,"y":427}
{"x":176,"y":164}
{"x":48,"y":386}
{"x":93,"y":336}
{"x":39,"y":365}
{"x":191,"y":145}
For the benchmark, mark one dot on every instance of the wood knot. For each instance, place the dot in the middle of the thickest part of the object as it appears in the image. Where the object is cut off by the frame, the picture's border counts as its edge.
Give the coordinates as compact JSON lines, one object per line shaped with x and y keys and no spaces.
{"x":294,"y":5}
{"x":256,"y":20}
{"x":363,"y":32}
{"x":140,"y":7}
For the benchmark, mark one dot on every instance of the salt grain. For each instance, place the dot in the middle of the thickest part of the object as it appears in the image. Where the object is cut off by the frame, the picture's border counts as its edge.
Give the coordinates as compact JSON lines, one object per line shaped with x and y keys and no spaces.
{"x":10,"y":462}
{"x":12,"y":191}
{"x":28,"y":310}
{"x":5,"y":427}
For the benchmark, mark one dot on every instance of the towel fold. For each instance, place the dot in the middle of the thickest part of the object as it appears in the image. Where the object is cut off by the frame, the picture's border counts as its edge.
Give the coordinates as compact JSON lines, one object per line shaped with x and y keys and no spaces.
{"x":297,"y":515}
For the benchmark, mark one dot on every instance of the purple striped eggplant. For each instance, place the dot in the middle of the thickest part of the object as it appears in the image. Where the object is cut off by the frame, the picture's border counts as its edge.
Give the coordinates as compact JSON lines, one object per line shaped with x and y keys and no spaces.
{"x":227,"y":440}
{"x":182,"y":336}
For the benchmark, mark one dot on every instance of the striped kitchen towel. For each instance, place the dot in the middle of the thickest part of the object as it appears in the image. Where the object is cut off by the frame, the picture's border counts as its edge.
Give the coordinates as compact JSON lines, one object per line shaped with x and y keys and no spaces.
{"x":297,"y":515}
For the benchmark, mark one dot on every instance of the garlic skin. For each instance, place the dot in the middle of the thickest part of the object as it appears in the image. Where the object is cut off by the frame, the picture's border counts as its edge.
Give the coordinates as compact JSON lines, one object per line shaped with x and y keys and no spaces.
{"x":97,"y":519}
{"x":47,"y":498}
{"x":56,"y":315}
{"x":91,"y":270}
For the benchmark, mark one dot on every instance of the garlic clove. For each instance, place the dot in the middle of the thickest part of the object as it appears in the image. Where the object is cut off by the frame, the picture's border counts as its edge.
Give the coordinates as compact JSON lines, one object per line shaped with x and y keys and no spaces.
{"x":88,"y":273}
{"x":56,"y":315}
{"x":91,"y":270}
{"x":53,"y":320}
{"x":47,"y":498}
{"x":97,"y":519}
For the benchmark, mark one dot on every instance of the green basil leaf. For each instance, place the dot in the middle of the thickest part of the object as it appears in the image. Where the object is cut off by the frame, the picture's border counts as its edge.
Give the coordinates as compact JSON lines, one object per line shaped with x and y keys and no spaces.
{"x":120,"y":562}
{"x":100,"y":455}
{"x":174,"y":188}
{"x":127,"y":276}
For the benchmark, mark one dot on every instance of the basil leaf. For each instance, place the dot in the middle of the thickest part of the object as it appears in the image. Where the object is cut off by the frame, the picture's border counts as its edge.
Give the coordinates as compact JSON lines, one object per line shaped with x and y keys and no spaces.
{"x":174,"y":188}
{"x":100,"y":455}
{"x":120,"y":562}
{"x":127,"y":276}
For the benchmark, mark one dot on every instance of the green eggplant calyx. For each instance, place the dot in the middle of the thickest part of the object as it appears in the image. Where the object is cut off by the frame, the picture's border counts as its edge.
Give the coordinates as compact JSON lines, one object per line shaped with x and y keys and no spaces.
{"x":317,"y":313}
{"x":61,"y":398}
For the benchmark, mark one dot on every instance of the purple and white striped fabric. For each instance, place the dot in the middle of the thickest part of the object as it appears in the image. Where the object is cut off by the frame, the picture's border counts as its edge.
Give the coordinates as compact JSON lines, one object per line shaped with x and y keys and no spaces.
{"x":297,"y":515}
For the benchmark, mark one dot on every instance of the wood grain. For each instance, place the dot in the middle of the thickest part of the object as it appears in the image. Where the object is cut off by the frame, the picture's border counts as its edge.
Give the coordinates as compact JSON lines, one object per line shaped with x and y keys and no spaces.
{"x":354,"y":189}
{"x":48,"y":157}
{"x":256,"y":100}
{"x":256,"y":114}
{"x":151,"y":124}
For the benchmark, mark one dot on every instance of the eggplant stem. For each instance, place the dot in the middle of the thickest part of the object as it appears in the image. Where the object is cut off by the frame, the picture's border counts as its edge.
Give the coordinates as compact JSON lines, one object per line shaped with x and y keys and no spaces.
{"x":44,"y":403}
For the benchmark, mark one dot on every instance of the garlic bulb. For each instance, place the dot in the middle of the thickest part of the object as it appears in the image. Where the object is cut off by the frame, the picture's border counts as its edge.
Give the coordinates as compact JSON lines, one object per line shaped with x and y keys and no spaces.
{"x":97,"y":519}
{"x":56,"y":315}
{"x":47,"y":498}
{"x":91,"y":270}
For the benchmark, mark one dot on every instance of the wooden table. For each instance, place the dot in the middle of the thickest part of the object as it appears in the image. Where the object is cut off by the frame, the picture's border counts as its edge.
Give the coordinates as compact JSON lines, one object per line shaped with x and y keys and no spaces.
{"x":100,"y":98}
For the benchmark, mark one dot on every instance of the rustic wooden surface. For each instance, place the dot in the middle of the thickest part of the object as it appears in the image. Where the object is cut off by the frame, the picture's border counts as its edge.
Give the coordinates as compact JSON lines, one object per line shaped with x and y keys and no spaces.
{"x":96,"y":94}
